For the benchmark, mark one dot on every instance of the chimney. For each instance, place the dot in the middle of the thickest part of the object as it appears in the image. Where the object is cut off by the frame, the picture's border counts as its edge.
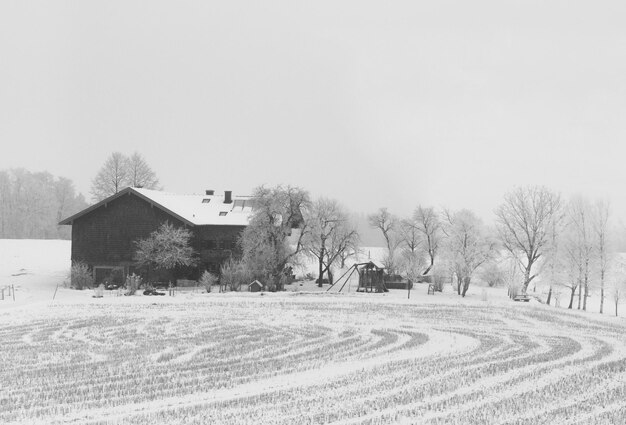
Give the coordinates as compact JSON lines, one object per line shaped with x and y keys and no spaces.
{"x":228,"y":196}
{"x":210,"y":192}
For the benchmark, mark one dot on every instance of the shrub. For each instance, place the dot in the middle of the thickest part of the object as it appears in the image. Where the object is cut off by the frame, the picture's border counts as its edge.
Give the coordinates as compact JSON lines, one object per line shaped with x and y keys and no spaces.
{"x":207,"y":280}
{"x":80,"y":276}
{"x":133,"y":282}
{"x":493,"y":275}
{"x":234,"y":274}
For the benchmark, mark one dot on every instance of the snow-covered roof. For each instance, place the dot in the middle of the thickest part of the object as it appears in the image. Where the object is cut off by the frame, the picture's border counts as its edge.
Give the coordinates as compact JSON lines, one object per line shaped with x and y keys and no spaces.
{"x":195,"y":209}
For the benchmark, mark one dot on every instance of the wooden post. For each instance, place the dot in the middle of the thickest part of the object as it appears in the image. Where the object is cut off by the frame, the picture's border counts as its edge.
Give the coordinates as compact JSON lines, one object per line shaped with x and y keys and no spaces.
{"x":55,"y":292}
{"x":13,"y":291}
{"x":408,"y":285}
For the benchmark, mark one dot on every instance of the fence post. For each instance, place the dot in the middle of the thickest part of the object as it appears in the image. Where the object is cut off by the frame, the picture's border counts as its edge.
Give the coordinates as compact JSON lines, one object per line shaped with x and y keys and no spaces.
{"x":13,"y":291}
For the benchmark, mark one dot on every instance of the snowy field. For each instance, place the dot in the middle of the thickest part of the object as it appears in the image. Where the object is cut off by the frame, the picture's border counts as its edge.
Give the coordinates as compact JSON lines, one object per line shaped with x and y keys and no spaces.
{"x":298,"y":356}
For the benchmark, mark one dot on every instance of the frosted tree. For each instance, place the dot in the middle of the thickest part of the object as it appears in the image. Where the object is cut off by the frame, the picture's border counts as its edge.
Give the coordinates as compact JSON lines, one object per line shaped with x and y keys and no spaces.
{"x":602,"y":244}
{"x":387,"y":223}
{"x":468,"y":246}
{"x":330,"y":235}
{"x":428,"y":223}
{"x":32,"y":204}
{"x":580,"y":244}
{"x":112,"y":177}
{"x":523,"y":222}
{"x":166,"y":248}
{"x":553,"y":261}
{"x":412,"y":260}
{"x":139,"y":173}
{"x":277,"y":213}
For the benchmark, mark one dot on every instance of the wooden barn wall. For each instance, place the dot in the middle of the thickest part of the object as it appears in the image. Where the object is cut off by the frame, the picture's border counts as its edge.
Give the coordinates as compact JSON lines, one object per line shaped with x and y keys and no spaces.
{"x":105,"y":236}
{"x":216,"y":244}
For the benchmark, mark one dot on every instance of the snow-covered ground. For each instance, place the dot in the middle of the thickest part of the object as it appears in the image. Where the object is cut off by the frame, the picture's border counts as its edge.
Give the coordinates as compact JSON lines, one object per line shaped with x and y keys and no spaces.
{"x":301,"y":356}
{"x":34,"y":268}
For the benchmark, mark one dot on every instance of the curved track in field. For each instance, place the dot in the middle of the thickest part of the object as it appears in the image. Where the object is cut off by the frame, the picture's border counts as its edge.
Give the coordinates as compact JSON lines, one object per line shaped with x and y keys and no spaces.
{"x":287,"y":360}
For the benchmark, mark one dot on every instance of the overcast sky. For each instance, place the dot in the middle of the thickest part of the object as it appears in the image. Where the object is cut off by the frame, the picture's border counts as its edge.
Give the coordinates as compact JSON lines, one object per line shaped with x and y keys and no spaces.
{"x":443,"y":103}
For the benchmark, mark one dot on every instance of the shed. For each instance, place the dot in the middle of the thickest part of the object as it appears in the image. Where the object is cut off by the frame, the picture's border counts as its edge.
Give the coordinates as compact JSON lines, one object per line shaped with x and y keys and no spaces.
{"x":255,"y":286}
{"x":371,"y":278}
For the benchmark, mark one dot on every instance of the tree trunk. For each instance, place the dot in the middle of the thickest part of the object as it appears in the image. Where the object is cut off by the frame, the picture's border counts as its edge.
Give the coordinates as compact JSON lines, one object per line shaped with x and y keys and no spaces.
{"x":330,"y":276}
{"x":466,"y":284}
{"x":616,"y":302}
{"x":571,"y":298}
{"x":430,"y":266}
{"x":586,"y":295}
{"x":321,"y":265}
{"x":458,"y":285}
{"x":601,"y":291}
{"x":527,"y":278}
{"x":549,"y":295}
{"x":580,"y":294}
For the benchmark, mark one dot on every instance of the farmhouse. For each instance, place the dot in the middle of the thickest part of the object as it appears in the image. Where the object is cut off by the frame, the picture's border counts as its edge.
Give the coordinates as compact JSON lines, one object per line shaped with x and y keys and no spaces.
{"x":103,"y":234}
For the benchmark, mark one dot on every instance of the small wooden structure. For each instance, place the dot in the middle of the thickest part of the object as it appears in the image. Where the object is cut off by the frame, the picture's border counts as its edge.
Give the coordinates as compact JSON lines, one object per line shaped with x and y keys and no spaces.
{"x":255,"y":286}
{"x":371,"y":278}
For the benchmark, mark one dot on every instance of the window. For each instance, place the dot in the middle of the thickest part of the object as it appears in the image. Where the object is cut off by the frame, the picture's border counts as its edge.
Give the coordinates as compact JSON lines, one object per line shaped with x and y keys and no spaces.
{"x":206,"y":200}
{"x":223,"y":213}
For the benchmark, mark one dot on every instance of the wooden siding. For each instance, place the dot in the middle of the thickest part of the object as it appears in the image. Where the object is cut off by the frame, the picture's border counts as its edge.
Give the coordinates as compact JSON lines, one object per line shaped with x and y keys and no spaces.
{"x":105,"y":236}
{"x":216,"y":244}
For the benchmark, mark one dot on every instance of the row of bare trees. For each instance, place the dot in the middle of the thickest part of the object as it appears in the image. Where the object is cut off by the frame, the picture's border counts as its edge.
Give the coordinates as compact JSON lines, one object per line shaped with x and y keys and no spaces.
{"x":457,"y":241}
{"x":33,"y":203}
{"x":537,"y":237}
{"x":580,"y":255}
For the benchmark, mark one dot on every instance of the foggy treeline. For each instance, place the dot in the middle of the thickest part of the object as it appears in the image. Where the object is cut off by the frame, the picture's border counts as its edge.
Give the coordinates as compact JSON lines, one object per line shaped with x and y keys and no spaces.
{"x":32,"y":204}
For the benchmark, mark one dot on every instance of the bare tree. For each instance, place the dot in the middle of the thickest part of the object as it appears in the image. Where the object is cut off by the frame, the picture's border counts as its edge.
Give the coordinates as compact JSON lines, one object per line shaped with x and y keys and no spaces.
{"x":602,"y":245}
{"x":344,"y":243}
{"x":112,"y":177}
{"x":277,"y":213}
{"x":139,"y":173}
{"x":351,"y":250}
{"x":330,"y":235}
{"x":412,"y":251}
{"x":617,"y":286}
{"x":553,"y":260}
{"x":579,"y":221}
{"x":427,"y":221}
{"x":468,"y":246}
{"x":388,"y":225}
{"x":617,"y":292}
{"x":523,"y":225}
